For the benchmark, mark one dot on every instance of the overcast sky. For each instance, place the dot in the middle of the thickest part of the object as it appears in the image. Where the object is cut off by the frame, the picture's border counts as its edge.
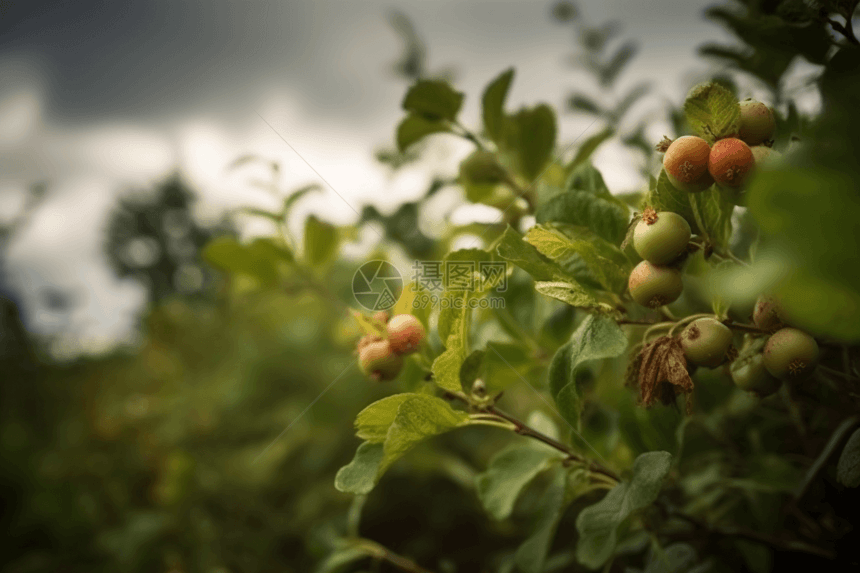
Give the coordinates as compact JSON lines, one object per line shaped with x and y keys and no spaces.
{"x":98,"y":97}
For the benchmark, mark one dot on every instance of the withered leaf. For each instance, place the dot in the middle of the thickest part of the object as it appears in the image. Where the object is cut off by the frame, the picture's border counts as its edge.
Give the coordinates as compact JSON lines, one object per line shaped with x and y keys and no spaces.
{"x":660,"y":372}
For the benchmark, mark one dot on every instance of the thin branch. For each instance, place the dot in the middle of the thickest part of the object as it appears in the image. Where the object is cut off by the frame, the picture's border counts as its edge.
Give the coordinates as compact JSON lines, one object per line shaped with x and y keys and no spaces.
{"x":524,"y":429}
{"x":752,"y":535}
{"x":847,"y":30}
{"x":834,"y":372}
{"x":381,"y":552}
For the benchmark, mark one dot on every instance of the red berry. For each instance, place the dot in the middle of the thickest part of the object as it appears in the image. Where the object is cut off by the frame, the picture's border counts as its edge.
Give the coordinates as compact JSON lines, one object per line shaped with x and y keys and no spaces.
{"x":686,"y":164}
{"x":379,"y":361}
{"x":405,"y":333}
{"x":768,"y":314}
{"x":730,"y":162}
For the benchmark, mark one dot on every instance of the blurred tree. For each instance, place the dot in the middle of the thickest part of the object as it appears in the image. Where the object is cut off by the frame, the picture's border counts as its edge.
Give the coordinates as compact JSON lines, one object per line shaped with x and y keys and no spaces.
{"x":154,"y":238}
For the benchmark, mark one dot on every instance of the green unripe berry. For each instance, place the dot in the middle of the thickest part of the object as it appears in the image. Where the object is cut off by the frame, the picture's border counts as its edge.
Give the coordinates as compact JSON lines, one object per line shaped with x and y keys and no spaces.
{"x":768,"y":314}
{"x":660,"y":237}
{"x":749,"y":374}
{"x":379,"y":361}
{"x":706,"y":341}
{"x":653,"y":286}
{"x":686,"y":164}
{"x":790,"y":354}
{"x":764,"y":155}
{"x":730,"y":162}
{"x":757,"y":122}
{"x":405,"y":333}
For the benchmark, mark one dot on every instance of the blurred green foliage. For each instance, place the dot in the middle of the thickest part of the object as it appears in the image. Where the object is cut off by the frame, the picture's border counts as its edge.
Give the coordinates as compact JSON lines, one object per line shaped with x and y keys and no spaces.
{"x":214,"y":444}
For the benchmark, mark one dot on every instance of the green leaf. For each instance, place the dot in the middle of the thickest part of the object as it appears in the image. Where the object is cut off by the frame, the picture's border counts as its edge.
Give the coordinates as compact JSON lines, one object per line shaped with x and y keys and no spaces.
{"x":531,"y":555}
{"x":598,"y":524}
{"x":629,"y":100}
{"x":587,"y":177}
{"x":712,"y":210}
{"x":579,"y":102}
{"x":433,"y":100}
{"x":507,"y":474}
{"x":808,"y":242}
{"x":606,"y":262}
{"x":530,"y":136}
{"x":413,"y":128}
{"x":712,"y":111}
{"x":321,"y":241}
{"x":848,"y":468}
{"x":619,"y":60}
{"x":608,"y":218}
{"x":506,"y":364}
{"x":452,"y":329}
{"x":264,"y":259}
{"x":450,"y":314}
{"x":595,"y":338}
{"x":296,"y":195}
{"x":675,"y":558}
{"x":663,"y":196}
{"x":479,"y":175}
{"x":493,"y":103}
{"x":587,"y":148}
{"x":470,"y":369}
{"x":446,"y":367}
{"x":360,"y":476}
{"x":373,"y":422}
{"x":262,"y":213}
{"x":570,"y":293}
{"x":514,"y":249}
{"x":405,"y":419}
{"x":418,"y":418}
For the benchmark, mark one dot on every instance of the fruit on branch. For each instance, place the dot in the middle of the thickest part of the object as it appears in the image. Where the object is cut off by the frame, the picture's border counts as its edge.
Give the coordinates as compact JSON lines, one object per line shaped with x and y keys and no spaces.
{"x":706,"y":342}
{"x":790,"y":354}
{"x":757,"y":122}
{"x":768,"y":314}
{"x":749,"y":374}
{"x":686,"y":164}
{"x":660,"y":237}
{"x":730,"y":162}
{"x":379,"y":361}
{"x":405,"y":333}
{"x":653,"y":285}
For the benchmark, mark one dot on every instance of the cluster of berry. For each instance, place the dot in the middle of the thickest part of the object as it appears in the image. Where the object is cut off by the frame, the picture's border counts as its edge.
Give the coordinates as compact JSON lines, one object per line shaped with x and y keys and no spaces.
{"x":662,"y":239}
{"x":381,"y":356}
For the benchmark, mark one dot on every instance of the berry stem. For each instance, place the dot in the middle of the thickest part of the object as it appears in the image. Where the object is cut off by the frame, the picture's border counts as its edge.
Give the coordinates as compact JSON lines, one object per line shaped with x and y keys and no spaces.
{"x":752,"y":535}
{"x":834,"y":372}
{"x":523,"y":429}
{"x":381,"y":552}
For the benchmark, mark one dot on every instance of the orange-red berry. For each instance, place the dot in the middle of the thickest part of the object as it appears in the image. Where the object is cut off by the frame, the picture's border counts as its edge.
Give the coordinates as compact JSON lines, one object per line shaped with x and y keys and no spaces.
{"x":730,"y":162}
{"x":686,"y":164}
{"x":405,"y":333}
